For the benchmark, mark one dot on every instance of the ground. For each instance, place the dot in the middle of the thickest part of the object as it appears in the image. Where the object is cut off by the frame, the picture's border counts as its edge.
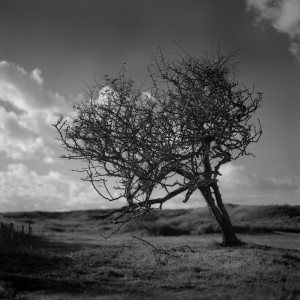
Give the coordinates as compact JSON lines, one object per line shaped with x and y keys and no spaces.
{"x":81,"y":264}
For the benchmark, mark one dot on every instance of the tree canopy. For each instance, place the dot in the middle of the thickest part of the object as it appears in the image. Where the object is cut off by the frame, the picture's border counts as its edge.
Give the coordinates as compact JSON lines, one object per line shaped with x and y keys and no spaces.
{"x":170,"y":139}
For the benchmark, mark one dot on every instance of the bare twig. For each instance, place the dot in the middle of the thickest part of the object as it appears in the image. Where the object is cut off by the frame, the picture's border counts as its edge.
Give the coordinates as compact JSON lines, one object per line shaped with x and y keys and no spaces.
{"x":157,"y":250}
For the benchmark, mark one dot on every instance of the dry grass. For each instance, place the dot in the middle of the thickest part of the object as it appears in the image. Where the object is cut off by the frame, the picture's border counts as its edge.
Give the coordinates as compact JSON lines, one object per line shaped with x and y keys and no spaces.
{"x":126,"y":269}
{"x":70,"y":260}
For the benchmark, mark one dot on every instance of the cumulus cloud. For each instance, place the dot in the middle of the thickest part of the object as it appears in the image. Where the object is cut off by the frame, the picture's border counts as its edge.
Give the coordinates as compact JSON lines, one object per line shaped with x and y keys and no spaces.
{"x":284,"y":16}
{"x":243,"y":187}
{"x":26,"y":113}
{"x":36,"y":75}
{"x":22,"y":189}
{"x":26,"y":136}
{"x":105,"y":95}
{"x":25,"y":91}
{"x":19,"y":138}
{"x":239,"y":186}
{"x":22,"y":137}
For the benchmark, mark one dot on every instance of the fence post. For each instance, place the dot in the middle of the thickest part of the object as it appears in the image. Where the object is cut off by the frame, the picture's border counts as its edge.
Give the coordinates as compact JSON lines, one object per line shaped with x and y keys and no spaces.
{"x":11,"y":231}
{"x":29,"y":230}
{"x":23,"y":232}
{"x":3,"y":231}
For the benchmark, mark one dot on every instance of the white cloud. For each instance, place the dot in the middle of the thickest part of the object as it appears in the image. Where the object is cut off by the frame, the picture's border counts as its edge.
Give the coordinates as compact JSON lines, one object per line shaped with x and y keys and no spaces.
{"x":238,"y":175}
{"x":106,"y":94}
{"x":146,"y":95}
{"x":284,"y":16}
{"x":25,"y":91}
{"x":239,"y":186}
{"x":36,"y":75}
{"x":20,"y":138}
{"x":26,"y":110}
{"x":26,"y":113}
{"x":22,"y":189}
{"x":26,"y":135}
{"x":295,"y":49}
{"x":243,"y":187}
{"x":49,"y":160}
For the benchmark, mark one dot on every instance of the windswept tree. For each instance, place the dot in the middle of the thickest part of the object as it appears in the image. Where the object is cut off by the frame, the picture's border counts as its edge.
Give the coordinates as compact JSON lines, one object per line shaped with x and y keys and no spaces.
{"x":150,"y":146}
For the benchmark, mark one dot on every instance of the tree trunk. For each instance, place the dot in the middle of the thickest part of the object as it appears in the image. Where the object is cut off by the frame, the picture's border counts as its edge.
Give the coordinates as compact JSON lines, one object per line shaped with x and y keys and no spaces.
{"x":216,"y":203}
{"x":218,"y":210}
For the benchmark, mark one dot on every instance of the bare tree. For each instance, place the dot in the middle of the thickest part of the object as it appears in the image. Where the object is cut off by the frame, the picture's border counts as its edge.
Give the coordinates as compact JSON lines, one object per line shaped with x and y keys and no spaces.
{"x":169,"y":140}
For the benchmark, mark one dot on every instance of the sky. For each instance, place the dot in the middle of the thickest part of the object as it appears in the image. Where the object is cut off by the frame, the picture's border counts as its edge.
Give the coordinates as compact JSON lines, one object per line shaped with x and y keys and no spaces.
{"x":50,"y":51}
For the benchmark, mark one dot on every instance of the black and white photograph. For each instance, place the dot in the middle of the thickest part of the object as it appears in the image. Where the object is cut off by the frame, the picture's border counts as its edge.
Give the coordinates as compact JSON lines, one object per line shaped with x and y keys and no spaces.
{"x":149,"y":149}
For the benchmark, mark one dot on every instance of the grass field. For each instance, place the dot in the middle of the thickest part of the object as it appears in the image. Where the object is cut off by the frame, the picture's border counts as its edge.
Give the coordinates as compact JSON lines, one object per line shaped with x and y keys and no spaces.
{"x":68,"y":259}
